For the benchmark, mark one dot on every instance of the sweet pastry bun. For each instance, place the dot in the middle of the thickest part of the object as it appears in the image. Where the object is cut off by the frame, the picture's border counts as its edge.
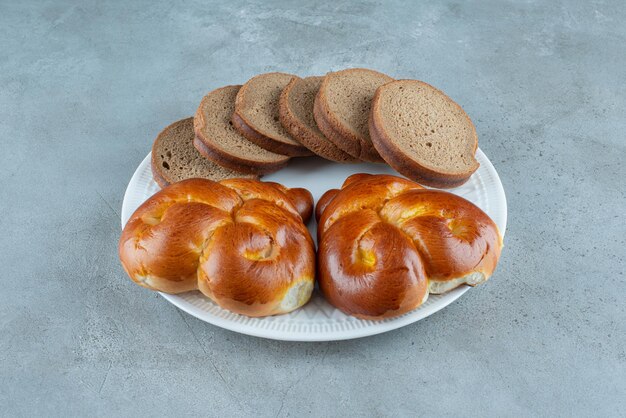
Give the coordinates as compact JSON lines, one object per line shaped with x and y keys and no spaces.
{"x":241,"y":242}
{"x":385,"y":243}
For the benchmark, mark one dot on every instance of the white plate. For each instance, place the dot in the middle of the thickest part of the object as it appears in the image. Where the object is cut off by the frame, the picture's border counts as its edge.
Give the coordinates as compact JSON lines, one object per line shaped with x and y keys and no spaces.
{"x":319,"y":321}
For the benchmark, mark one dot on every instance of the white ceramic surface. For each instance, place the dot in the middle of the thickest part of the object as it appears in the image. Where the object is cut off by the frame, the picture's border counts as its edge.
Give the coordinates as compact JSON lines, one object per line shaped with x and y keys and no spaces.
{"x":319,"y":321}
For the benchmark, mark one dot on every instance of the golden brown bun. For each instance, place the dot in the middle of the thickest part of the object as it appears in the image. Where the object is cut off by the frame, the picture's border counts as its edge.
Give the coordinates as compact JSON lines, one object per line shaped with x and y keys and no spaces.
{"x":241,"y":242}
{"x":385,"y":243}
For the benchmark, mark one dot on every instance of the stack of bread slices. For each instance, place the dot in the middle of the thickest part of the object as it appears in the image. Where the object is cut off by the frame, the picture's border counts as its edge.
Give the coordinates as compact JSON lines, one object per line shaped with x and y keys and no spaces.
{"x":349,"y":116}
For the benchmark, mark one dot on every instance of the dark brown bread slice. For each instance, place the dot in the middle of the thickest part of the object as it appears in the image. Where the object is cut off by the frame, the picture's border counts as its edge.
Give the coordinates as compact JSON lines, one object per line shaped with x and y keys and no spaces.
{"x":256,"y":114}
{"x":217,"y":139}
{"x":174,"y":157}
{"x":342,"y":108}
{"x":296,"y":115}
{"x":423,"y":134}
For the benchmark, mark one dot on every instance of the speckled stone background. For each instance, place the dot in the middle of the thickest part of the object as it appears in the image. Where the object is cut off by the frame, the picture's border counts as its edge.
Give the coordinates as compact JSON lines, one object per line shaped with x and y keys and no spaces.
{"x":84,"y":89}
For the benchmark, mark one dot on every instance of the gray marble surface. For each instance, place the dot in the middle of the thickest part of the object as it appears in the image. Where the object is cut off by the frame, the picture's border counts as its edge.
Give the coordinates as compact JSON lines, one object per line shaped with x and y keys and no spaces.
{"x":84,"y":89}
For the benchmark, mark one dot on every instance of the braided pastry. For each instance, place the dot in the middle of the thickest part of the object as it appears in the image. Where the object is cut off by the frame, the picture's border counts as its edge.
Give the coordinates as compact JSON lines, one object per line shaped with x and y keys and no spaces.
{"x":385,"y":243}
{"x":241,"y":242}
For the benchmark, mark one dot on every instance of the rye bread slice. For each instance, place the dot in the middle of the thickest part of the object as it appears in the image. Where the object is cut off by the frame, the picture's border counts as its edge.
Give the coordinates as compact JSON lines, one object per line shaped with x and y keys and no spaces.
{"x":174,"y":157}
{"x":296,"y":115}
{"x":256,"y":114}
{"x":342,"y":108}
{"x":423,"y":134}
{"x":217,"y":139}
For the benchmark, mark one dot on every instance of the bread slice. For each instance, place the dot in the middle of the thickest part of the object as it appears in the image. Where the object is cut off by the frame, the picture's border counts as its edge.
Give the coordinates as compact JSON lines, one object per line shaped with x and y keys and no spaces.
{"x":256,"y":114}
{"x":296,"y":115}
{"x":217,"y":139}
{"x":174,"y":157}
{"x":423,"y":134}
{"x":342,"y":108}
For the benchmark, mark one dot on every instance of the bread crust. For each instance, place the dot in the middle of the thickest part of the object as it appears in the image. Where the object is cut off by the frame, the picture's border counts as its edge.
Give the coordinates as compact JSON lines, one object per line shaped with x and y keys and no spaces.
{"x":245,"y":128}
{"x":336,"y":132}
{"x":234,"y":162}
{"x":210,"y":150}
{"x":395,"y":157}
{"x":266,"y":142}
{"x":301,"y":132}
{"x":158,"y":174}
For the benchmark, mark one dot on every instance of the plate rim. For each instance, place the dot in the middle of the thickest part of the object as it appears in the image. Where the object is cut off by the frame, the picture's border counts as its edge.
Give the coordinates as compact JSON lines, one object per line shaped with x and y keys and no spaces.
{"x":377,"y":327}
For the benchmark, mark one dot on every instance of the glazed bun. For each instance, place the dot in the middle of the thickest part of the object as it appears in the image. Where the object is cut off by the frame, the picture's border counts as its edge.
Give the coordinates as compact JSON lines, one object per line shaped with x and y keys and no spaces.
{"x":385,"y":243}
{"x":241,"y":242}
